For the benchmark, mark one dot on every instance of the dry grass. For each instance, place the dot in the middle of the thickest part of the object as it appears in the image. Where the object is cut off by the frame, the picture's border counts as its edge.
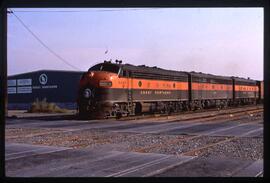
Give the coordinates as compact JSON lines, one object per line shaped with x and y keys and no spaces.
{"x":45,"y":107}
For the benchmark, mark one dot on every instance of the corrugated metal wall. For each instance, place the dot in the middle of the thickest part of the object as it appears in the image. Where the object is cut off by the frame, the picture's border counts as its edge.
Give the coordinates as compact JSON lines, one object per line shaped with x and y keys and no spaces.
{"x":59,"y":87}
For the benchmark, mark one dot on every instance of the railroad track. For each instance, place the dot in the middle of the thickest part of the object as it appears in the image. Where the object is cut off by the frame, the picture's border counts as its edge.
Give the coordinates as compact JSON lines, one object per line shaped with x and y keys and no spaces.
{"x":193,"y":152}
{"x":203,"y":118}
{"x":147,"y":116}
{"x":191,"y":136}
{"x":196,"y":114}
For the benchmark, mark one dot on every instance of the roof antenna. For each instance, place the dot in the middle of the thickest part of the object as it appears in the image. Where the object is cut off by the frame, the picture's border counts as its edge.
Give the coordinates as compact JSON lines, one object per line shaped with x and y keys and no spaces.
{"x":107,"y":50}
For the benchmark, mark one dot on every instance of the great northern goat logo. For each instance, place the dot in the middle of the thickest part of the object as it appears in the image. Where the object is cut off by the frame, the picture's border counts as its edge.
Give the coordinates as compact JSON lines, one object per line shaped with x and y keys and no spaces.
{"x":43,"y":79}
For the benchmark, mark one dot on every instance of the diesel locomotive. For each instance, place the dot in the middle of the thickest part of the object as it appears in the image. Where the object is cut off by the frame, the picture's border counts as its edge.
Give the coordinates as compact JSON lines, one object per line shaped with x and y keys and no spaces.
{"x":115,"y":89}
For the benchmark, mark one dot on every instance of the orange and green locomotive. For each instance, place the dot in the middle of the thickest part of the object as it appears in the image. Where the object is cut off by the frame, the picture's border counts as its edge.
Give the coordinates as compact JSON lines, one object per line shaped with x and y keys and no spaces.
{"x":116,"y":89}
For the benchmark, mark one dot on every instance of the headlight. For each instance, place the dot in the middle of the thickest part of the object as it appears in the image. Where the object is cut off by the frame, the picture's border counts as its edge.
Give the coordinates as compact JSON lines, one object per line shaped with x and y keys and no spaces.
{"x":87,"y":93}
{"x":105,"y":83}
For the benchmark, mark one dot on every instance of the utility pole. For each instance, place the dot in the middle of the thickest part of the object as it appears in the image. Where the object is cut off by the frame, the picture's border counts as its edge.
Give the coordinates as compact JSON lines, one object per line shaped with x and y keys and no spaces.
{"x":3,"y":83}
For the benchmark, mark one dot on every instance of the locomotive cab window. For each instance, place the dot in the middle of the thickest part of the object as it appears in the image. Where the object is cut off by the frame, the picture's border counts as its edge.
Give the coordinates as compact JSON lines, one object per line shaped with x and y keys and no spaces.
{"x":105,"y":67}
{"x":125,"y":73}
{"x":122,"y":73}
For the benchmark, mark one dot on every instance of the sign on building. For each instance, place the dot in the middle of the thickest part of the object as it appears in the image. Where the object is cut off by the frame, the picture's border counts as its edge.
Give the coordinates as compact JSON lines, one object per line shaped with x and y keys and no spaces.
{"x":24,"y":89}
{"x":24,"y":82}
{"x":11,"y":82}
{"x":11,"y":90}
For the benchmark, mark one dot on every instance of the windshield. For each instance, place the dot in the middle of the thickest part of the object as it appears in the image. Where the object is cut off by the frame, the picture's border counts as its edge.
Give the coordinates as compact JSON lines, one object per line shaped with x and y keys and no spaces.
{"x":105,"y":67}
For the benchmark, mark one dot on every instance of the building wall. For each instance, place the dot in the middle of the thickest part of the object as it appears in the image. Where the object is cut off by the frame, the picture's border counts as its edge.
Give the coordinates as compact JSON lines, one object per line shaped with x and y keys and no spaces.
{"x":59,"y":87}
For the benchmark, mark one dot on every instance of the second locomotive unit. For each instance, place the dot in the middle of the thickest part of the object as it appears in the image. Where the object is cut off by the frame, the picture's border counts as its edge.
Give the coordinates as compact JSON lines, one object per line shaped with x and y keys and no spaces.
{"x":116,"y":89}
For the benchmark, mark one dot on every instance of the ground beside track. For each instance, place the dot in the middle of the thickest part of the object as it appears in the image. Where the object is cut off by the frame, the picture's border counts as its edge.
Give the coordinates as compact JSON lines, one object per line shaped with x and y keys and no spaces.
{"x":231,"y":145}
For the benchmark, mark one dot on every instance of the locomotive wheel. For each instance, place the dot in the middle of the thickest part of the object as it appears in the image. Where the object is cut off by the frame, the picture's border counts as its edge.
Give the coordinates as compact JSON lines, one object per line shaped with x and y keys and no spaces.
{"x":225,"y":104}
{"x":118,"y":115}
{"x":138,"y":108}
{"x":202,"y":104}
{"x":192,"y":107}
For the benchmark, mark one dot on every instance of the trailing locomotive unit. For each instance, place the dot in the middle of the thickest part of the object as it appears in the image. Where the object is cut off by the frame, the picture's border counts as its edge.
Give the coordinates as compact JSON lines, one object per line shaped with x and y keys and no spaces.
{"x":110,"y":89}
{"x":261,"y":91}
{"x":208,"y":90}
{"x":245,"y":91}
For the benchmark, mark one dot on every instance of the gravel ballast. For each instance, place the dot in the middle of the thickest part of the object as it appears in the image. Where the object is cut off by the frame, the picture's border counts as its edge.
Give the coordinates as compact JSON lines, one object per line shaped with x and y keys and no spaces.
{"x":244,"y":147}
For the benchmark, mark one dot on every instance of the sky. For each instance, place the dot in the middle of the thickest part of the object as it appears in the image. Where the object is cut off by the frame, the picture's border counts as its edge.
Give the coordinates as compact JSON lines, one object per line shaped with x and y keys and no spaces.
{"x":221,"y":41}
